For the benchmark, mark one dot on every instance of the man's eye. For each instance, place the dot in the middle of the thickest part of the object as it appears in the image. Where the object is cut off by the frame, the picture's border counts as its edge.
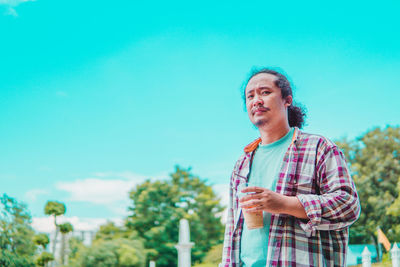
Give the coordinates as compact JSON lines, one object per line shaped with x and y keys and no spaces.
{"x":266,"y":92}
{"x":249,"y":96}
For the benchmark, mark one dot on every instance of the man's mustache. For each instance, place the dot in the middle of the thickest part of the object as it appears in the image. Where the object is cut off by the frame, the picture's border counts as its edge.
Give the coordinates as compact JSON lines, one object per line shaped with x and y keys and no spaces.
{"x":259,"y":108}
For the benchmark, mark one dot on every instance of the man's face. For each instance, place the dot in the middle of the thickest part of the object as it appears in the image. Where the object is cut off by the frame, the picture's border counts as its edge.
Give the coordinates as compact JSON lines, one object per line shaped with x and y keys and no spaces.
{"x":264,"y":101}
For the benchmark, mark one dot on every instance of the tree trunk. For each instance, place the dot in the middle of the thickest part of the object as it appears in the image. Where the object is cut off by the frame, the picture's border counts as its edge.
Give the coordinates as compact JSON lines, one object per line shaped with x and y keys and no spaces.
{"x":62,"y":252}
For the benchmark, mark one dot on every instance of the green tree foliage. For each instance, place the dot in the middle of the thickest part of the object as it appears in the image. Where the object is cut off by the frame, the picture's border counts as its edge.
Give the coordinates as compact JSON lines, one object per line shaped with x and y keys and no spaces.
{"x":77,"y":249}
{"x":120,"y":252}
{"x":44,"y":258}
{"x":65,"y":228}
{"x":213,"y":257}
{"x":110,"y":231}
{"x":54,"y":208}
{"x":158,"y":206}
{"x":374,"y":159}
{"x":113,"y":246}
{"x":41,"y":240}
{"x":16,"y":234}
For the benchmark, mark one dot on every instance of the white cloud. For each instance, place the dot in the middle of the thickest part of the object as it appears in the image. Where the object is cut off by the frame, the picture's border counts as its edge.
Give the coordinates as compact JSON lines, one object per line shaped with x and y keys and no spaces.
{"x":109,"y":189}
{"x":33,"y":194}
{"x":222,"y":191}
{"x":46,"y":224}
{"x":98,"y":191}
{"x":11,"y":4}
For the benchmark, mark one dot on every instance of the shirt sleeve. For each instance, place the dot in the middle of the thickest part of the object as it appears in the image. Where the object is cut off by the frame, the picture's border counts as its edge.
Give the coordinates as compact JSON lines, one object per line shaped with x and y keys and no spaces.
{"x":337,"y":206}
{"x":229,"y":227}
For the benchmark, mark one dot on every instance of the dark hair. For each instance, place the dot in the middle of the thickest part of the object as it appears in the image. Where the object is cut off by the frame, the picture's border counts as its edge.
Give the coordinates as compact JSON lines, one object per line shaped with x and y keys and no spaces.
{"x":296,"y":113}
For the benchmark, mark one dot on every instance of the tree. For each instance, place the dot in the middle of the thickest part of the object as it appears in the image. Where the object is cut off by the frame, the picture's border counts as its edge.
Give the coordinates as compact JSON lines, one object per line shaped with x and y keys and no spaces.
{"x":109,"y":231}
{"x":374,"y":160}
{"x":113,"y":246}
{"x":44,"y":258}
{"x":65,"y":228}
{"x":41,"y":240}
{"x":120,"y":252}
{"x":213,"y":257}
{"x":54,"y":208}
{"x":158,"y":206}
{"x":16,"y":234}
{"x":77,"y":249}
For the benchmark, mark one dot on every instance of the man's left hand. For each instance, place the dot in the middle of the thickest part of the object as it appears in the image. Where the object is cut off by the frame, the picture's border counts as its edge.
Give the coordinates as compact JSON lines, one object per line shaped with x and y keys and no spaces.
{"x":262,"y":199}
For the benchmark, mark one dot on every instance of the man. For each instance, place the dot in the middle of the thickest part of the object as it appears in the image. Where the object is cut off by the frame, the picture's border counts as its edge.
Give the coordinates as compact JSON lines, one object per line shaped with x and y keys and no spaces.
{"x":299,"y":181}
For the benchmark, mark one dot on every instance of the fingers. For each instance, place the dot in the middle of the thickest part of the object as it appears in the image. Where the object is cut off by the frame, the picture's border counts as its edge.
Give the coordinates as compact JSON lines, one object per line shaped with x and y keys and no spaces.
{"x":254,"y":209}
{"x":251,"y":204}
{"x":255,"y":189}
{"x":249,"y":197}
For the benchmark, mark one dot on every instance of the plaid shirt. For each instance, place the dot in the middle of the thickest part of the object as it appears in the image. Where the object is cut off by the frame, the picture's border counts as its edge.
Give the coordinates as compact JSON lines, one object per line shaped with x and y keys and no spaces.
{"x":314,"y":170}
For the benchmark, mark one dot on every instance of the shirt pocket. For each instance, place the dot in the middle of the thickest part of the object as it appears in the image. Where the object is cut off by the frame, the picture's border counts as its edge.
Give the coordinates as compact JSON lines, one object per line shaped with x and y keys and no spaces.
{"x":305,"y":181}
{"x":305,"y":184}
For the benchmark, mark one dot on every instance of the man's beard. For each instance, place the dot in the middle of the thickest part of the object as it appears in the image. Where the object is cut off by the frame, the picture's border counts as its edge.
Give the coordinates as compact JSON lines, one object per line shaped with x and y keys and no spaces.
{"x":260,"y":123}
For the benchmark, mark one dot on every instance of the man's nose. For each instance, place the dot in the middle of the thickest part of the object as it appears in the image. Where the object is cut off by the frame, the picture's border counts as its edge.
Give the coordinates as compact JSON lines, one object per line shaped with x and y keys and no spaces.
{"x":258,"y":100}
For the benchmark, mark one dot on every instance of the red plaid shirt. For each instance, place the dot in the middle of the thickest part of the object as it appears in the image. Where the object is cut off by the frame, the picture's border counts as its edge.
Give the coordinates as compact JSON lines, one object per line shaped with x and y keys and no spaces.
{"x":315,"y":171}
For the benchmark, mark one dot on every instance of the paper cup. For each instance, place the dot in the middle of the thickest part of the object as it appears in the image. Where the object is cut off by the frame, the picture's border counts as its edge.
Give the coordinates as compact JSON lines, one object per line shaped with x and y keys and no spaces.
{"x":254,"y":220}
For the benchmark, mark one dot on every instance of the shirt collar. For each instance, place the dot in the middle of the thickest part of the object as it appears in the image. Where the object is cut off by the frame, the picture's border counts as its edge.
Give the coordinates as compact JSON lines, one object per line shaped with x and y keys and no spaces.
{"x":253,"y":145}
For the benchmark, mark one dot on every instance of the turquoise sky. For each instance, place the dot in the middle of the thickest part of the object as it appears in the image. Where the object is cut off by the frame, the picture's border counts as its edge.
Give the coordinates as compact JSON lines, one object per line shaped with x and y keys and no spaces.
{"x":96,"y":96}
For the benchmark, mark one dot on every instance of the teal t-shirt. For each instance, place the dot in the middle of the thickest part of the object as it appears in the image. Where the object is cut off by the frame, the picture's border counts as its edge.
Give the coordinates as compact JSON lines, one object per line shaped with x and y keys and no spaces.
{"x":264,"y":172}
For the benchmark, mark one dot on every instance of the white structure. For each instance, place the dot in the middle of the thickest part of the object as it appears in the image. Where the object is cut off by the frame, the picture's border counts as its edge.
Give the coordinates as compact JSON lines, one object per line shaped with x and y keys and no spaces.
{"x":184,"y":244}
{"x":395,"y":251}
{"x":152,"y":264}
{"x":62,"y":242}
{"x":366,"y":257}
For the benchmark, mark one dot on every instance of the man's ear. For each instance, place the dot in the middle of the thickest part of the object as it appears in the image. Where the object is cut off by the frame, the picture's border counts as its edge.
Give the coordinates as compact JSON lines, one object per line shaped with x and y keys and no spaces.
{"x":288,"y":101}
